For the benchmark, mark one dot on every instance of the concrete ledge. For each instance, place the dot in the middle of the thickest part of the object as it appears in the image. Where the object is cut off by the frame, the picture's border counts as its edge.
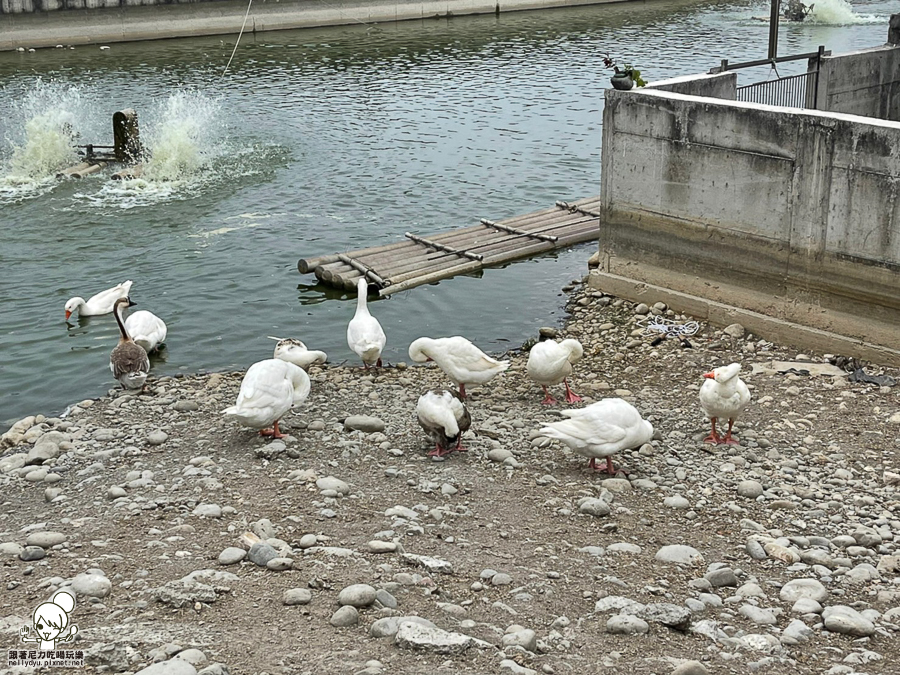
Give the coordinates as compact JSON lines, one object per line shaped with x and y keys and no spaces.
{"x":224,"y":17}
{"x":721,"y":314}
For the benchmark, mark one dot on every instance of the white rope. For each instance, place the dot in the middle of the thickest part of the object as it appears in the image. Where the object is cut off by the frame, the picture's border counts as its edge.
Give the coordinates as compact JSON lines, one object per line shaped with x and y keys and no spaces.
{"x":667,"y":327}
{"x":234,"y":51}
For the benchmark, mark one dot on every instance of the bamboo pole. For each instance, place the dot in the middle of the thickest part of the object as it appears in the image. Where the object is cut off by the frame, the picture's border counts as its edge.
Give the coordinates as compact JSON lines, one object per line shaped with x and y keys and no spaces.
{"x":365,"y":270}
{"x":93,"y":168}
{"x":467,"y":267}
{"x":585,"y":231}
{"x":390,"y":269}
{"x":67,"y":173}
{"x":308,"y":265}
{"x":130,"y":173}
{"x":325,"y":272}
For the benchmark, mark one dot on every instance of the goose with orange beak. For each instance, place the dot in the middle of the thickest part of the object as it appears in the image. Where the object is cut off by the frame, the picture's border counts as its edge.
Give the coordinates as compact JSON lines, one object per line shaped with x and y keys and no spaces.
{"x":724,"y":395}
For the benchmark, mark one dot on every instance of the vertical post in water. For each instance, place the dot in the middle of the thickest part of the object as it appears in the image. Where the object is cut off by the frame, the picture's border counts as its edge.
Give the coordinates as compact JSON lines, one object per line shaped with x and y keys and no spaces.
{"x":773,"y":29}
{"x":127,"y":140}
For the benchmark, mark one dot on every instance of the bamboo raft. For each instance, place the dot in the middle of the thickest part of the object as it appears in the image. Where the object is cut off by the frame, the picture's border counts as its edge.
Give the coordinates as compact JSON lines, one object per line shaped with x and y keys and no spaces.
{"x":419,"y":260}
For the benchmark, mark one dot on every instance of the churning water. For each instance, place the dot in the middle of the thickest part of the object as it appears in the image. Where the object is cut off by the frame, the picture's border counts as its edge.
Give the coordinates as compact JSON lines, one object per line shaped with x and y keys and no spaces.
{"x":317,"y":141}
{"x":839,"y":13}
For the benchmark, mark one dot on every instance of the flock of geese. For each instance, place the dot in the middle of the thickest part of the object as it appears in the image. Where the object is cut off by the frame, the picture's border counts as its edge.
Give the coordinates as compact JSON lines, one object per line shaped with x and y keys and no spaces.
{"x":272,"y":387}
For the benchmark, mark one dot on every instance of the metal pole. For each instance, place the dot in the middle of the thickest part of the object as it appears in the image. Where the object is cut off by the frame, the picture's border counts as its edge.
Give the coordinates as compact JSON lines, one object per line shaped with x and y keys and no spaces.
{"x":773,"y":29}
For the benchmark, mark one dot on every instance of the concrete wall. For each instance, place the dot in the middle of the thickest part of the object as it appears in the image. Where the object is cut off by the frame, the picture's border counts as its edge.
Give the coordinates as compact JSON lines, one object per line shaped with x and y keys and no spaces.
{"x":720,"y":85}
{"x":865,"y":82}
{"x":799,"y":210}
{"x":46,"y":23}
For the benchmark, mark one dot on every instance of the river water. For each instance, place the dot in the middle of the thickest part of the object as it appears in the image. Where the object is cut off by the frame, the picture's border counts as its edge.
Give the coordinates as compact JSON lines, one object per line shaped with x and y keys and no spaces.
{"x":315,"y":141}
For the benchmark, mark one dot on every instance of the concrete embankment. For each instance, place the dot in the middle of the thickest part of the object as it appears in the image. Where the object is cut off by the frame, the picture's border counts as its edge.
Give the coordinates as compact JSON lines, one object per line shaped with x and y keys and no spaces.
{"x":40,"y":23}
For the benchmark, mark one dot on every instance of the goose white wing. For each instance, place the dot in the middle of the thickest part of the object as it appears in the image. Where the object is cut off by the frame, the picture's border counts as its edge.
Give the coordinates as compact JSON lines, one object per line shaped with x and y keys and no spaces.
{"x":464,"y":362}
{"x":366,"y":337}
{"x":102,"y":302}
{"x":586,"y":433}
{"x":266,"y":394}
{"x":548,"y":363}
{"x":146,"y":329}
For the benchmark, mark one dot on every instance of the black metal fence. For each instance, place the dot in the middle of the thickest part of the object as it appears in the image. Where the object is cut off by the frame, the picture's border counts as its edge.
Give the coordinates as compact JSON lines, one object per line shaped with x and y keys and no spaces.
{"x":795,"y":91}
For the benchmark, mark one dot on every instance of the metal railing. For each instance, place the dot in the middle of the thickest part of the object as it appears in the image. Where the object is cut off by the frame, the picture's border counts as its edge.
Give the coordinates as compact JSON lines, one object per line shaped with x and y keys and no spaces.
{"x":796,"y":91}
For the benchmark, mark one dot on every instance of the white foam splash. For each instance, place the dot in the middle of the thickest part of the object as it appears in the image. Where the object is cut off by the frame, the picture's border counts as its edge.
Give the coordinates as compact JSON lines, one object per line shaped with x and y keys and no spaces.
{"x":42,"y":131}
{"x":182,"y":142}
{"x":838,"y":13}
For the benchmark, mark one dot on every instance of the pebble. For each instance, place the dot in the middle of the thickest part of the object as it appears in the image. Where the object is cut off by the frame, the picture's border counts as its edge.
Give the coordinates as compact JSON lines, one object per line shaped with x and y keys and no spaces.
{"x":803,"y":588}
{"x":750,"y":489}
{"x":626,"y":624}
{"x":31,"y":553}
{"x":690,"y":668}
{"x":232,"y":555}
{"x":157,"y":437}
{"x":208,"y":511}
{"x":45,"y":539}
{"x":296,"y":596}
{"x":724,"y":576}
{"x":92,"y":585}
{"x":389,"y":625}
{"x":364,"y":423}
{"x":357,"y":595}
{"x":677,"y":502}
{"x":346,"y":616}
{"x":680,"y":554}
{"x":594,"y":507}
{"x":261,"y":553}
{"x":280,"y":564}
{"x":844,"y":619}
{"x":332,"y":483}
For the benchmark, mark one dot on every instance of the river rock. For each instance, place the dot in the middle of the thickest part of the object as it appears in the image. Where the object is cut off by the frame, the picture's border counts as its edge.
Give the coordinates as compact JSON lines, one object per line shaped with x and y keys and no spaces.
{"x":346,"y":616}
{"x":296,"y":596}
{"x":92,"y":585}
{"x":803,"y":588}
{"x":261,"y":553}
{"x":626,"y":624}
{"x":844,"y":619}
{"x":594,"y":507}
{"x":364,"y":423}
{"x":411,"y":635}
{"x":45,"y":539}
{"x":174,"y":666}
{"x":332,"y":483}
{"x":232,"y":555}
{"x":680,"y":554}
{"x":357,"y":595}
{"x":389,"y":625}
{"x":750,"y":489}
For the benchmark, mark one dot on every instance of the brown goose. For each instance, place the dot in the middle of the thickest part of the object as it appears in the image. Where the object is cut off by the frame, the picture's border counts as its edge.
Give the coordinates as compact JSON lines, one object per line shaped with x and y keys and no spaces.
{"x":128,"y":361}
{"x":445,"y":418}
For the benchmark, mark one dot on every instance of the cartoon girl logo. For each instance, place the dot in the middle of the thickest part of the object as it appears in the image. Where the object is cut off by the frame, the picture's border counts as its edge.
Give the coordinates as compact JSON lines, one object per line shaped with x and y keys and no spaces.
{"x":50,"y":621}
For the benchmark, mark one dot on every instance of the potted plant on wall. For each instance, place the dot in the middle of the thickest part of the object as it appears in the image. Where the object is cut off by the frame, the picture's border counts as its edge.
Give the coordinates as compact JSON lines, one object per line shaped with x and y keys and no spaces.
{"x":626,"y":75}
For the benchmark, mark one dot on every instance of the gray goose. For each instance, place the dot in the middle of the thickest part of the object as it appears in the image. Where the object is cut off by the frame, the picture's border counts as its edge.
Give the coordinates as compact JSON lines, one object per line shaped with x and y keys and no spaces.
{"x":128,"y":361}
{"x":445,"y":418}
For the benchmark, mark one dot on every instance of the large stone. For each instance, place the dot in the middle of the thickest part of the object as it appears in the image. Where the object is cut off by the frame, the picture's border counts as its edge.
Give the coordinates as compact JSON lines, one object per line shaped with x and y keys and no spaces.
{"x":296,"y":596}
{"x":232,"y":555}
{"x":357,"y":595}
{"x":844,"y":619}
{"x":724,"y":576}
{"x":803,"y":588}
{"x":92,"y":585}
{"x":525,"y":638}
{"x":389,"y":625}
{"x":616,"y":603}
{"x":364,"y":423}
{"x":171,"y":667}
{"x":42,"y":451}
{"x":626,"y":624}
{"x":594,"y":507}
{"x":45,"y":539}
{"x":185,"y":592}
{"x":411,"y":635}
{"x":796,"y":633}
{"x":346,"y":616}
{"x":261,"y":553}
{"x":679,"y":554}
{"x":750,"y":489}
{"x":332,"y":483}
{"x":667,"y":614}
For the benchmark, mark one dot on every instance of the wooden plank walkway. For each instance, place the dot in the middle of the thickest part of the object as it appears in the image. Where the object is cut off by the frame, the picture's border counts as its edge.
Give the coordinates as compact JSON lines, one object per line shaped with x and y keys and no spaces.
{"x":425,"y":259}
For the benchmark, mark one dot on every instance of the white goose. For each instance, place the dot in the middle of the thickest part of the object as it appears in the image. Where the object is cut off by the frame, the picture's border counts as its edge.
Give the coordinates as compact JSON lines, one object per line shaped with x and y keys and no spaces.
{"x":294,"y":351}
{"x":445,"y":418}
{"x":102,"y":303}
{"x":462,"y":361}
{"x":364,"y":334}
{"x":269,"y":389}
{"x":146,"y":329}
{"x":551,"y":362}
{"x":601,"y":430}
{"x":724,"y":394}
{"x":128,"y":361}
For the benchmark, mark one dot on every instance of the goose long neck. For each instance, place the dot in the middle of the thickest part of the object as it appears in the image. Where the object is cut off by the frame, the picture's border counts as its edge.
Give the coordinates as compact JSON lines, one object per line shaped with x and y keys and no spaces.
{"x":361,"y":307}
{"x":118,"y":315}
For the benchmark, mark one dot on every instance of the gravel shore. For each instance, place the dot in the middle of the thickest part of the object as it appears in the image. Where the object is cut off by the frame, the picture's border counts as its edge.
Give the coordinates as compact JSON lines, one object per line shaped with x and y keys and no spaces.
{"x":196,"y":546}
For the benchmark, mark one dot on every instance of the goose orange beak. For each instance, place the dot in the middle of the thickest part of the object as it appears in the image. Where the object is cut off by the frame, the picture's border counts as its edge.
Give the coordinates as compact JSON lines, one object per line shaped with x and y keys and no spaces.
{"x":68,"y":314}
{"x":710,"y":376}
